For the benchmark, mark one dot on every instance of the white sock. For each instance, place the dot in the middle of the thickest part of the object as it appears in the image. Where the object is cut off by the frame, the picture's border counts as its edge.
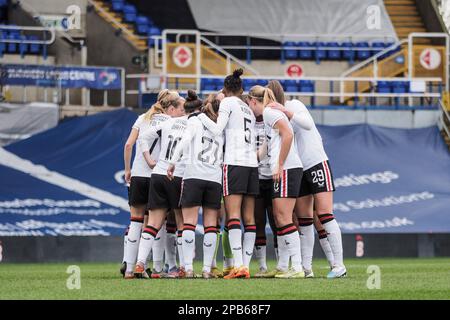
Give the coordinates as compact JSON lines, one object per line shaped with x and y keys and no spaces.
{"x":261,"y":252}
{"x":216,"y":249}
{"x":275,"y":246}
{"x":326,"y":248}
{"x":131,"y":250}
{"x":235,"y":238}
{"x":159,"y":245}
{"x":334,"y":237}
{"x":283,"y":254}
{"x":171,"y":246}
{"x":307,"y":242}
{"x":188,"y":246}
{"x":180,"y":248}
{"x":293,"y":247}
{"x":209,"y":247}
{"x":248,"y":244}
{"x":146,"y":243}
{"x":125,"y":237}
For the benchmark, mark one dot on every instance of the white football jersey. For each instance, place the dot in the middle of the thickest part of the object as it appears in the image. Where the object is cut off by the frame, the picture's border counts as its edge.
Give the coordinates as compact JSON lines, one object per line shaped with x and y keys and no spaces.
{"x":205,"y":152}
{"x":170,"y":133}
{"x":271,"y":117}
{"x":264,"y":165}
{"x":140,"y":167}
{"x":238,"y":121}
{"x":309,"y":142}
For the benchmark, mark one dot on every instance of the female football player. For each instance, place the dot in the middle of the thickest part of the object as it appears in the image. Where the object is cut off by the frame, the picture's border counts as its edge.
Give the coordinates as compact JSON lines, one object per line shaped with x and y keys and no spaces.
{"x":201,"y":185}
{"x":240,"y":171}
{"x":317,"y":184}
{"x":138,"y":177}
{"x":287,"y":169}
{"x":163,"y":193}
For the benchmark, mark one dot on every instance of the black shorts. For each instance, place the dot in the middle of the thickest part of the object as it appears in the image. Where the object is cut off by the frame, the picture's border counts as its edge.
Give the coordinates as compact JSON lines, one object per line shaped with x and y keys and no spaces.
{"x":138,"y":191}
{"x":240,"y":180}
{"x":164,"y":193}
{"x":196,"y":192}
{"x":289,"y":184}
{"x":266,"y":191}
{"x":317,"y":179}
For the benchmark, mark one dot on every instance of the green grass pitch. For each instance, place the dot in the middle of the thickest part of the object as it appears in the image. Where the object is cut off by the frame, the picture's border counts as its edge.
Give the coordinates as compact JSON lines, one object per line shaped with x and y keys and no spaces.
{"x":400,"y":279}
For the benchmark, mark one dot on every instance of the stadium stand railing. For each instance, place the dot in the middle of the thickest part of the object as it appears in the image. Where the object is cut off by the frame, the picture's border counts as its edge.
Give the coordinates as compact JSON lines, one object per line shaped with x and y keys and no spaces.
{"x":25,"y":40}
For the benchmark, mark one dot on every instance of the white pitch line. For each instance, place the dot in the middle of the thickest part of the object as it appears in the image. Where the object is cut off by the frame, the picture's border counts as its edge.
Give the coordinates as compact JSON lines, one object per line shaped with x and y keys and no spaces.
{"x":40,"y":172}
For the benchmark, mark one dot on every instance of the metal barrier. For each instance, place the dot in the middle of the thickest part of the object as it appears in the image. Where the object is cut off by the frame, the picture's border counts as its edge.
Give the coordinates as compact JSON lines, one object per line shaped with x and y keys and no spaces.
{"x":433,"y":87}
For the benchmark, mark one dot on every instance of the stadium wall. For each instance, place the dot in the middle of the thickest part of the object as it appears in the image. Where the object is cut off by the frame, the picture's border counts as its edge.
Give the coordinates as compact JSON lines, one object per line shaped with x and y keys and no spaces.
{"x":102,"y":41}
{"x":110,"y":249}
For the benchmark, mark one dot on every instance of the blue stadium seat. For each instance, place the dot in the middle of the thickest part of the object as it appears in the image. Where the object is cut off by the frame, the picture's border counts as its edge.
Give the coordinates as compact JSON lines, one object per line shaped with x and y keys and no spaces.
{"x":320,"y":53}
{"x":117,"y":5}
{"x":291,"y":86}
{"x":218,"y":83}
{"x":2,"y":44}
{"x":23,"y":47}
{"x":261,"y":82}
{"x":129,"y":13}
{"x":248,"y":83}
{"x":142,"y":24}
{"x":348,"y":53}
{"x":290,"y":53}
{"x":362,"y":54}
{"x":400,"y":86}
{"x":208,"y":84}
{"x":3,"y":3}
{"x":12,"y":47}
{"x":377,"y":46}
{"x":383,"y":87}
{"x":34,"y":47}
{"x":305,"y":53}
{"x":306,"y":86}
{"x":333,"y":54}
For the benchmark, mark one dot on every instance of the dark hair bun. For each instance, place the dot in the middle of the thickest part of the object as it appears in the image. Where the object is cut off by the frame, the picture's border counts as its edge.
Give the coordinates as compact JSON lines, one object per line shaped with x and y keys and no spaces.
{"x":192,"y":95}
{"x":237,"y":73}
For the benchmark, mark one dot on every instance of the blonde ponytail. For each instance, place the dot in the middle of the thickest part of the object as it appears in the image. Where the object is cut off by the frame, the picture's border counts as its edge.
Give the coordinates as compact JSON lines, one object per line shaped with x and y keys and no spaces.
{"x":158,"y":107}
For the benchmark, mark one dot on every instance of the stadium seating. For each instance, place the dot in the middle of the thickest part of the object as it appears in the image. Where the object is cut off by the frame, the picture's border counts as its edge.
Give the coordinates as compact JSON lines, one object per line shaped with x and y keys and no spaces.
{"x":333,"y":50}
{"x":21,"y":48}
{"x":143,"y":25}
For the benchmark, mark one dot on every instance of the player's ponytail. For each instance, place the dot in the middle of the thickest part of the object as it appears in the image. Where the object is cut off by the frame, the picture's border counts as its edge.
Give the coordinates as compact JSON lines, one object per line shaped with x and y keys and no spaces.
{"x":268,"y":97}
{"x":211,"y":107}
{"x":166,"y":98}
{"x":277,"y":90}
{"x":233,"y":83}
{"x":193,"y":103}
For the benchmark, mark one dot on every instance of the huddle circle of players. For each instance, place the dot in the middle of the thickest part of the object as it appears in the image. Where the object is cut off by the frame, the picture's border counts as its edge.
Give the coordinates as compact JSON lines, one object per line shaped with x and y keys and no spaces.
{"x":243,"y":159}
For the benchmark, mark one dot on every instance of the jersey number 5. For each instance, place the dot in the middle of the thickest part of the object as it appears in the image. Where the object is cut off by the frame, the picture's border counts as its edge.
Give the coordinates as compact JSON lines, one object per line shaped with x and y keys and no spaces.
{"x":248,"y":132}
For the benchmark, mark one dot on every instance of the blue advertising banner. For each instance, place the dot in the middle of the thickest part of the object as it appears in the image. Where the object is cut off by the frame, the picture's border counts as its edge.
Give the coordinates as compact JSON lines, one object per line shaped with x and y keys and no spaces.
{"x":61,"y":76}
{"x":69,"y":180}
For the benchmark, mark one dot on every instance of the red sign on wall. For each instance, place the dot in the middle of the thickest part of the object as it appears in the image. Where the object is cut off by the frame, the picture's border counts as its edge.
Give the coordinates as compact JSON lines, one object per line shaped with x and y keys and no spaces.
{"x":294,"y":70}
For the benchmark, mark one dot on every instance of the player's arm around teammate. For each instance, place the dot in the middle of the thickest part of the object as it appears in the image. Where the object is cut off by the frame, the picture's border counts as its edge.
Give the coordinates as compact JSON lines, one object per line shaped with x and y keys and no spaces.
{"x":317,"y":186}
{"x":240,"y":171}
{"x":287,"y":170}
